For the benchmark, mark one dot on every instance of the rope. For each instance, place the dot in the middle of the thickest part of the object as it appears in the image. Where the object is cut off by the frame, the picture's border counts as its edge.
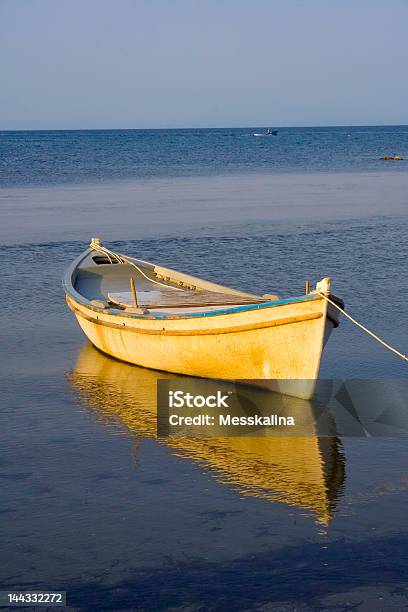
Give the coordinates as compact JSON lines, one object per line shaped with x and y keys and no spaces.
{"x":370,"y":333}
{"x":121,"y":259}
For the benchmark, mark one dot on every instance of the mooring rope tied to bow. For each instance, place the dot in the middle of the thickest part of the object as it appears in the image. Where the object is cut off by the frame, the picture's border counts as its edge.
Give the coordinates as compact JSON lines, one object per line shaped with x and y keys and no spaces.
{"x":96,"y":246}
{"x":370,"y":333}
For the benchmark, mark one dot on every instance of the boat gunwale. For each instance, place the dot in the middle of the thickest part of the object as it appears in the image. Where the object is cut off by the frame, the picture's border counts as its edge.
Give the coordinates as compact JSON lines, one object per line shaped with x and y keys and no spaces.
{"x":197,"y":332}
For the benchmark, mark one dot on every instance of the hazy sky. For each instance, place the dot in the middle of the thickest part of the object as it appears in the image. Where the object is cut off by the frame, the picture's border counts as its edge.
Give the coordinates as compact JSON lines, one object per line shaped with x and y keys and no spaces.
{"x":182,"y":63}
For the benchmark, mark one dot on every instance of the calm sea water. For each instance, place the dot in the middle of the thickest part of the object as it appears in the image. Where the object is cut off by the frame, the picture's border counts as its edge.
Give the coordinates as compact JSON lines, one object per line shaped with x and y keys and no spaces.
{"x":90,"y":501}
{"x":55,"y":157}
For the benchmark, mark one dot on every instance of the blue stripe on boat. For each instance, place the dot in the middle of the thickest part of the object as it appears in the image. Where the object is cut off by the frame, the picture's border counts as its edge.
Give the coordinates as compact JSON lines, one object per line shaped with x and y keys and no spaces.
{"x":214,"y":313}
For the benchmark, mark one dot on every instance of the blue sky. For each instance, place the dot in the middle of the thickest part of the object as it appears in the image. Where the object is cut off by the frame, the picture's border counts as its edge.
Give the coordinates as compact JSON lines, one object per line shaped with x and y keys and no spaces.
{"x":185,"y":63}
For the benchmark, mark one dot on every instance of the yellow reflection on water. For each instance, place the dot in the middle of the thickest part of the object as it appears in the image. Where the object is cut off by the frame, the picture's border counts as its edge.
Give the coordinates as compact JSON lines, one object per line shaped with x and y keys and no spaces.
{"x":305,"y":471}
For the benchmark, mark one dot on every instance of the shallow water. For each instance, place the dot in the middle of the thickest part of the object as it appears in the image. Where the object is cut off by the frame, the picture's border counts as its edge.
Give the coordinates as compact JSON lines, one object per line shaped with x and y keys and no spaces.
{"x":92,"y":503}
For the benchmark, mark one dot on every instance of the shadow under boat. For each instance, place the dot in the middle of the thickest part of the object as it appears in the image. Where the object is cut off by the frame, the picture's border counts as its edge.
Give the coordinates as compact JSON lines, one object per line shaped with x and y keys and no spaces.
{"x":306,"y":471}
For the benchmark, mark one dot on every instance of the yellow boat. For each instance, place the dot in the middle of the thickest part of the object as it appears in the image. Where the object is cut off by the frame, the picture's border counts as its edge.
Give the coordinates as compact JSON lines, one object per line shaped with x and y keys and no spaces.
{"x":159,"y":318}
{"x":305,"y":472}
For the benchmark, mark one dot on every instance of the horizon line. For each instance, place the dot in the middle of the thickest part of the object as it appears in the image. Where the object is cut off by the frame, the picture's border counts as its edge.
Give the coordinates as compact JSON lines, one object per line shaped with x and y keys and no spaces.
{"x":243,"y":127}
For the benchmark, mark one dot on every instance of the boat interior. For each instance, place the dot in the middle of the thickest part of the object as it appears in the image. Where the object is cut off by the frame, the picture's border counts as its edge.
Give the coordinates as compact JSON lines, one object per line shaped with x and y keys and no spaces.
{"x":134,"y":285}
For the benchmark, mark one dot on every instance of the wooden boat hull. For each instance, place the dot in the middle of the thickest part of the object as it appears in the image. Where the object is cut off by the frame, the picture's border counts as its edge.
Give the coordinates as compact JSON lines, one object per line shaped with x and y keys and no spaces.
{"x":278,"y":347}
{"x":198,"y":328}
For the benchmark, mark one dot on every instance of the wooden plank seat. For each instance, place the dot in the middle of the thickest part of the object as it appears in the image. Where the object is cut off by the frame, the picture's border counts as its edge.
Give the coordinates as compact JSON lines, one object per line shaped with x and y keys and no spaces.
{"x":165,"y":298}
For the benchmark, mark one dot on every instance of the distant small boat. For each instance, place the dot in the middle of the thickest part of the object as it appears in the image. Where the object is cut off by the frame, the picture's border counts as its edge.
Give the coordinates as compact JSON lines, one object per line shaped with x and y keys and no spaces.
{"x":269,"y":132}
{"x":158,"y":318}
{"x":392,"y":157}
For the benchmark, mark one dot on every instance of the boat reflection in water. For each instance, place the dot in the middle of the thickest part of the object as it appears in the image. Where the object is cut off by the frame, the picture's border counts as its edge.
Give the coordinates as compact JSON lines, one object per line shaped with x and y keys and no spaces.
{"x":304,"y":471}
